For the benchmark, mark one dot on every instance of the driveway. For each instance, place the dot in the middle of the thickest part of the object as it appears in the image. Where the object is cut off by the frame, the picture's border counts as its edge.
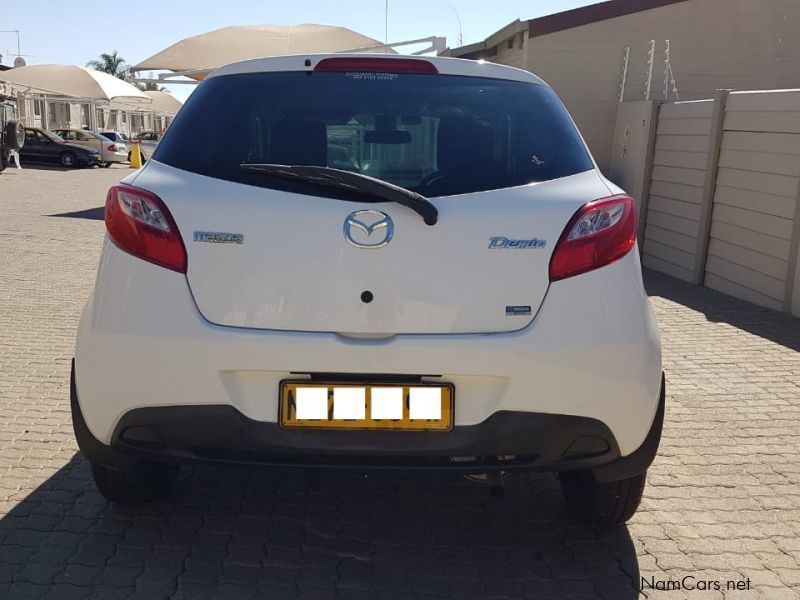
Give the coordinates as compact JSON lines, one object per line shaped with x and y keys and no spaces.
{"x":722,"y":505}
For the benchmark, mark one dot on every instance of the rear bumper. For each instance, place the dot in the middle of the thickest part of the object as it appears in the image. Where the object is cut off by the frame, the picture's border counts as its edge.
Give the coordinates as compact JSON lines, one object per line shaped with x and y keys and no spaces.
{"x":592,"y":352}
{"x":115,"y":157}
{"x":505,"y":441}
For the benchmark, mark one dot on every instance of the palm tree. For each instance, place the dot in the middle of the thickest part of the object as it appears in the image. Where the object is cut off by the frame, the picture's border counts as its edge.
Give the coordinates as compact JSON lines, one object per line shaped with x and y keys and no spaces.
{"x":112,"y":64}
{"x":115,"y":65}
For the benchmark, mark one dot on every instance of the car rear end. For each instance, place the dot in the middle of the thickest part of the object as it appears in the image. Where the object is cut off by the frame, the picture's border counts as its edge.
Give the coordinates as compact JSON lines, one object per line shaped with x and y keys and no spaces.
{"x":112,"y":151}
{"x":240,"y":316}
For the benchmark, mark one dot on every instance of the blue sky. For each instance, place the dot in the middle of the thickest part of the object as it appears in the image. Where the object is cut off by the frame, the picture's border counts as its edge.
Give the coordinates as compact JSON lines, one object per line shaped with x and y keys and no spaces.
{"x":53,"y":31}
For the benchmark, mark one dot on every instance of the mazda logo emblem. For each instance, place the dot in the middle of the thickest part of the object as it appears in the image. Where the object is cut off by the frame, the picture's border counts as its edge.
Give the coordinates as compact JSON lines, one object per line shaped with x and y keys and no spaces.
{"x":368,"y":229}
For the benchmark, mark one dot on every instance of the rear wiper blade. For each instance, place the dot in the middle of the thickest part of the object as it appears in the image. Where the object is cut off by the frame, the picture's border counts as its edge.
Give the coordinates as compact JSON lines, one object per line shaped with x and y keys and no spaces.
{"x":352,"y":182}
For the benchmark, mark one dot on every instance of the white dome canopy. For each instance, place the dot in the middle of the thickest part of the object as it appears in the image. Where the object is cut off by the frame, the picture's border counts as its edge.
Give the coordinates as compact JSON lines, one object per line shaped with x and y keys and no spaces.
{"x":73,"y":81}
{"x":208,"y":51}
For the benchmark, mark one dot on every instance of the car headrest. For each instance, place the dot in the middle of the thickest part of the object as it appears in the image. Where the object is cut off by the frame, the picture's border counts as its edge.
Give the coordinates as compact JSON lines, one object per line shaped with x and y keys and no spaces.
{"x":299,"y":143}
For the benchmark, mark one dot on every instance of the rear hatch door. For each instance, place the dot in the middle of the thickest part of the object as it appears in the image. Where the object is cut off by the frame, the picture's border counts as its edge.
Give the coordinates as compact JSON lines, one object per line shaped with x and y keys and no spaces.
{"x":482,"y":268}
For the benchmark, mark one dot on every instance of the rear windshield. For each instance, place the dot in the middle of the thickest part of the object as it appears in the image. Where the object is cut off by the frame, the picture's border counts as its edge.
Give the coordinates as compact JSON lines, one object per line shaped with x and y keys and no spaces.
{"x":437,"y":135}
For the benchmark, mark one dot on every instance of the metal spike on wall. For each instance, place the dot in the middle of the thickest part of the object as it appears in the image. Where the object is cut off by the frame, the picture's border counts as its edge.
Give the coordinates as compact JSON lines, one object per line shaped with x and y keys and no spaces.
{"x":669,"y":77}
{"x":626,"y":59}
{"x":651,"y":54}
{"x":666,"y":72}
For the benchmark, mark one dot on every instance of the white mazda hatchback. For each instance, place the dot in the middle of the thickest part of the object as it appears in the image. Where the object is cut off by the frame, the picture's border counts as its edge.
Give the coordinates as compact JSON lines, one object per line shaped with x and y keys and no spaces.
{"x":371,"y":262}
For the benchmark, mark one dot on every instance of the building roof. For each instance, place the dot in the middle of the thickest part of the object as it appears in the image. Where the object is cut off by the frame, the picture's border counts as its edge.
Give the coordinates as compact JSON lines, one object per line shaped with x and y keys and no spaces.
{"x":562,"y":21}
{"x":593,"y":13}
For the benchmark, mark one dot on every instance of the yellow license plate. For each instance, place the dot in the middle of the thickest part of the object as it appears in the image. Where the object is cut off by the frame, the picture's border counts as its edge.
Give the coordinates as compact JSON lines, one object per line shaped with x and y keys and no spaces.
{"x":391,"y":406}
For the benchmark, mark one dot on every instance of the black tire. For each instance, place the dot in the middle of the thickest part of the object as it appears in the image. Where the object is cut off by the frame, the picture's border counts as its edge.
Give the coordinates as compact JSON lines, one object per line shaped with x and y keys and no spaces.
{"x":68,"y":160}
{"x":143,"y":482}
{"x":106,"y":165}
{"x":604,"y":504}
{"x":15,"y":135}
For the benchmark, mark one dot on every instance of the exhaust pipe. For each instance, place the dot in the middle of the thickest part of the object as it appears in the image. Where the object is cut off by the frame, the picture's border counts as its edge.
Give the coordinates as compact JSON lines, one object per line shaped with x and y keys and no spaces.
{"x":494,"y":479}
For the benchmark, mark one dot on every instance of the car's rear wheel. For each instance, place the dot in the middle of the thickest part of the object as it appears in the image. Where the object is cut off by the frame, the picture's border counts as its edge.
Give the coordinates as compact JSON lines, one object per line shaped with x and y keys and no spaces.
{"x":602,"y":503}
{"x":69,"y":160}
{"x":143,"y":482}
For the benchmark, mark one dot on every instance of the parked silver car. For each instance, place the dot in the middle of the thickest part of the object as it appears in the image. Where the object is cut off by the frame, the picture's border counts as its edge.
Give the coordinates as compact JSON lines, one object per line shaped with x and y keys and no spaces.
{"x":115,"y":136}
{"x":110,"y":151}
{"x":118,"y":136}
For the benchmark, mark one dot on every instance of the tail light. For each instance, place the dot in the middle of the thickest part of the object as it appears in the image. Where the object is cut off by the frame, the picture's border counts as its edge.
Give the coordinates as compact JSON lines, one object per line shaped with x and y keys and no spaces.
{"x":112,"y":148}
{"x":378,"y":65}
{"x":140,"y":224}
{"x":599,"y":233}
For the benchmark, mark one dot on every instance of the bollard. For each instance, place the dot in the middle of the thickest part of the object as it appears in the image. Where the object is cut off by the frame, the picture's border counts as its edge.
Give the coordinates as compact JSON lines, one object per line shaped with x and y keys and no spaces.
{"x":136,"y":156}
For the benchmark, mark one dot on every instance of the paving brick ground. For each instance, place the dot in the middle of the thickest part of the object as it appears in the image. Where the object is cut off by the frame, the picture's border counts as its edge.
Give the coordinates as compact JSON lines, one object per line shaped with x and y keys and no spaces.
{"x":723,"y":500}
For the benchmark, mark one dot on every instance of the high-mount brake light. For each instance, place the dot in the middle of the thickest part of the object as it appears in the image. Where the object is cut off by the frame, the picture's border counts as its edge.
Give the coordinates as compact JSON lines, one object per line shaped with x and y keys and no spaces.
{"x":139,"y":223}
{"x":378,"y":65}
{"x":600,"y":233}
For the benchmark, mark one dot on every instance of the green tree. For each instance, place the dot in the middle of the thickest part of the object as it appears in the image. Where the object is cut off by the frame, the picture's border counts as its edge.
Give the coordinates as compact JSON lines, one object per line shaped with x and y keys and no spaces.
{"x":113,"y":64}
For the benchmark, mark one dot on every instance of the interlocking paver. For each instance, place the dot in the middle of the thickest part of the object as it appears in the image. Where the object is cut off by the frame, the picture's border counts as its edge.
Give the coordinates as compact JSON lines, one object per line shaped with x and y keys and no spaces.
{"x":723,"y":500}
